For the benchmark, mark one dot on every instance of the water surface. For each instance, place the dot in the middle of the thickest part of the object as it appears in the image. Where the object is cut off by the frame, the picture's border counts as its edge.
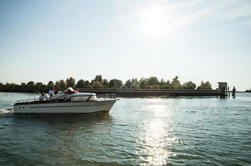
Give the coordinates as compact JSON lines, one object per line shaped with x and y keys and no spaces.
{"x":137,"y":131}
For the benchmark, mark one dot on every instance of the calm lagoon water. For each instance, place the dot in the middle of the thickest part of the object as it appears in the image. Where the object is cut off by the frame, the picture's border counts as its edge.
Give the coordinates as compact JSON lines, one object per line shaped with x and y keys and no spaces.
{"x":137,"y":131}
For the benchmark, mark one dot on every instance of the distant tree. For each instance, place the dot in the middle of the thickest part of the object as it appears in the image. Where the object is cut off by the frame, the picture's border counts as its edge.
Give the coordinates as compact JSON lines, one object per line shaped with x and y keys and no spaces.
{"x":135,"y":83}
{"x":97,"y":85}
{"x":86,"y":84}
{"x":189,"y":85}
{"x":70,"y":82}
{"x":142,"y":83}
{"x":39,"y":86}
{"x":11,"y":87}
{"x":105,"y":83}
{"x":115,"y":83}
{"x":132,"y":84}
{"x":7,"y":85}
{"x":167,"y":85}
{"x":1,"y":86}
{"x":30,"y":83}
{"x":128,"y":84}
{"x":175,"y":84}
{"x":148,"y":87}
{"x":30,"y":86}
{"x":23,"y":87}
{"x":23,"y":84}
{"x":62,"y":85}
{"x":155,"y":86}
{"x":56,"y":86}
{"x":162,"y":82}
{"x":152,"y":81}
{"x":80,"y":83}
{"x":99,"y":82}
{"x":50,"y":85}
{"x":83,"y":84}
{"x":205,"y":85}
{"x":99,"y":78}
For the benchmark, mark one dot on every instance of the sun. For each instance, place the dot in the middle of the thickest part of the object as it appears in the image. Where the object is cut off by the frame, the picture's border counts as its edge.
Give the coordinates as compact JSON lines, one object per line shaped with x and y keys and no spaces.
{"x":153,"y":22}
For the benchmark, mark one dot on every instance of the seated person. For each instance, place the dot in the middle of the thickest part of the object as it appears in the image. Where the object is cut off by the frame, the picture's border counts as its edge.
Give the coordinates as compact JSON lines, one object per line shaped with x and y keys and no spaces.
{"x":42,"y":97}
{"x":46,"y":96}
{"x":51,"y":93}
{"x":69,"y":90}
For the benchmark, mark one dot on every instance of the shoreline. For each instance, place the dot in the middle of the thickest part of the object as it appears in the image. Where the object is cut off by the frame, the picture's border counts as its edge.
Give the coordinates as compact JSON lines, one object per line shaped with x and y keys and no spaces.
{"x":147,"y":92}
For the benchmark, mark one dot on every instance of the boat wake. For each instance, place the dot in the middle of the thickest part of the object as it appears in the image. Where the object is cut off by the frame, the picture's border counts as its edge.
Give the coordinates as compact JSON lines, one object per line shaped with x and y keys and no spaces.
{"x":6,"y":111}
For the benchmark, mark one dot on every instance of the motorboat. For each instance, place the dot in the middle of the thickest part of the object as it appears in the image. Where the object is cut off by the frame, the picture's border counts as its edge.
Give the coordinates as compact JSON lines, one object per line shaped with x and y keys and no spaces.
{"x":65,"y":102}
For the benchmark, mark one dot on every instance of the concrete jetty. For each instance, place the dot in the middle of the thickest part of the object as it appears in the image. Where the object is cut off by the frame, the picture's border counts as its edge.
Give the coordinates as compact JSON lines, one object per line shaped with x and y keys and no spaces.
{"x":156,"y":92}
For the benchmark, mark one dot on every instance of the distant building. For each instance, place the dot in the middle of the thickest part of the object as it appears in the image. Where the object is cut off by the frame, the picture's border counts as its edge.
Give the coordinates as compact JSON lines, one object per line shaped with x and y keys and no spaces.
{"x":223,"y":87}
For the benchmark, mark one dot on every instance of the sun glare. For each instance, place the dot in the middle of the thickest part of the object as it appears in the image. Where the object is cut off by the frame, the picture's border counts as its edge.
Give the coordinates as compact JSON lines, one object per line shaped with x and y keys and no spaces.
{"x":155,"y":22}
{"x":155,"y":139}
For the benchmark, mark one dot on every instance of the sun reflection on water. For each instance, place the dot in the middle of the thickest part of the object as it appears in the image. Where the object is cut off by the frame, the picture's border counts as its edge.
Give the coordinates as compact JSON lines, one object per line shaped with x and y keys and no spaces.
{"x":155,"y":139}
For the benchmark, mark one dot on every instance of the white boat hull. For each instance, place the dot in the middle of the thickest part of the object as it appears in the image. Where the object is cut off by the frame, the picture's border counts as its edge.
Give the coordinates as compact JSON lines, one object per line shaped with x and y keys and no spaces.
{"x":65,"y":107}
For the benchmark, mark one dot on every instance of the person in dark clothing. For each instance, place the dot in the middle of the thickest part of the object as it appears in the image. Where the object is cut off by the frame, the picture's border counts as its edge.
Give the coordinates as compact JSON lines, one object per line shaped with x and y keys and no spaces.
{"x":233,"y":92}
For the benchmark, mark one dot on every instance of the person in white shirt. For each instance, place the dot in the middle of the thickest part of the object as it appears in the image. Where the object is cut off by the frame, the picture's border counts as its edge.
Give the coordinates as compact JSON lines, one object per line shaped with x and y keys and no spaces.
{"x":46,"y":96}
{"x":51,"y":93}
{"x":42,"y":97}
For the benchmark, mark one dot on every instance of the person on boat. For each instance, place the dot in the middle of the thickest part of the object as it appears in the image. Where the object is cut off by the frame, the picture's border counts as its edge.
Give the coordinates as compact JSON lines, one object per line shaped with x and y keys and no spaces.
{"x":56,"y":91}
{"x":46,"y":96}
{"x":51,"y":93}
{"x":70,"y":90}
{"x":233,"y":92}
{"x":42,"y":97}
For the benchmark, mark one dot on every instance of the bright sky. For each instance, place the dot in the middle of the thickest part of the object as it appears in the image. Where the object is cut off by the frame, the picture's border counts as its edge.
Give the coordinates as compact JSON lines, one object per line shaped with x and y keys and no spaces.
{"x":43,"y":40}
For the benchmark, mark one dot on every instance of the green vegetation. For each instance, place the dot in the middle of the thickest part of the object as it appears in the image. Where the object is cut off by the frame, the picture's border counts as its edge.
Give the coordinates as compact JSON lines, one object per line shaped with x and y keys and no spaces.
{"x":99,"y":83}
{"x":205,"y":85}
{"x":189,"y":85}
{"x":70,"y":82}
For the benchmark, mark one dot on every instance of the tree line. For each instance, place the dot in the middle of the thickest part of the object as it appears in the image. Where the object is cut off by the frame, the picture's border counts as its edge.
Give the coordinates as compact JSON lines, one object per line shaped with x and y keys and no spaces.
{"x":99,"y":83}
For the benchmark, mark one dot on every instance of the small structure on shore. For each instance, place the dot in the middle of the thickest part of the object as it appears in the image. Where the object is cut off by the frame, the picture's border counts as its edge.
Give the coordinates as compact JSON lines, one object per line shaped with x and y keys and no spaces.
{"x":223,"y":87}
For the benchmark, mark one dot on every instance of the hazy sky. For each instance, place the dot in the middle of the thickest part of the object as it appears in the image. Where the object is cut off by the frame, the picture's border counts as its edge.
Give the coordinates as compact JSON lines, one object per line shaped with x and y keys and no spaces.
{"x":43,"y":40}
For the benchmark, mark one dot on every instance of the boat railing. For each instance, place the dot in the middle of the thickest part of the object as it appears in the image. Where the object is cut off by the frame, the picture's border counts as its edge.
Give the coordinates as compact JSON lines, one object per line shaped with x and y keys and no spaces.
{"x":100,"y":96}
